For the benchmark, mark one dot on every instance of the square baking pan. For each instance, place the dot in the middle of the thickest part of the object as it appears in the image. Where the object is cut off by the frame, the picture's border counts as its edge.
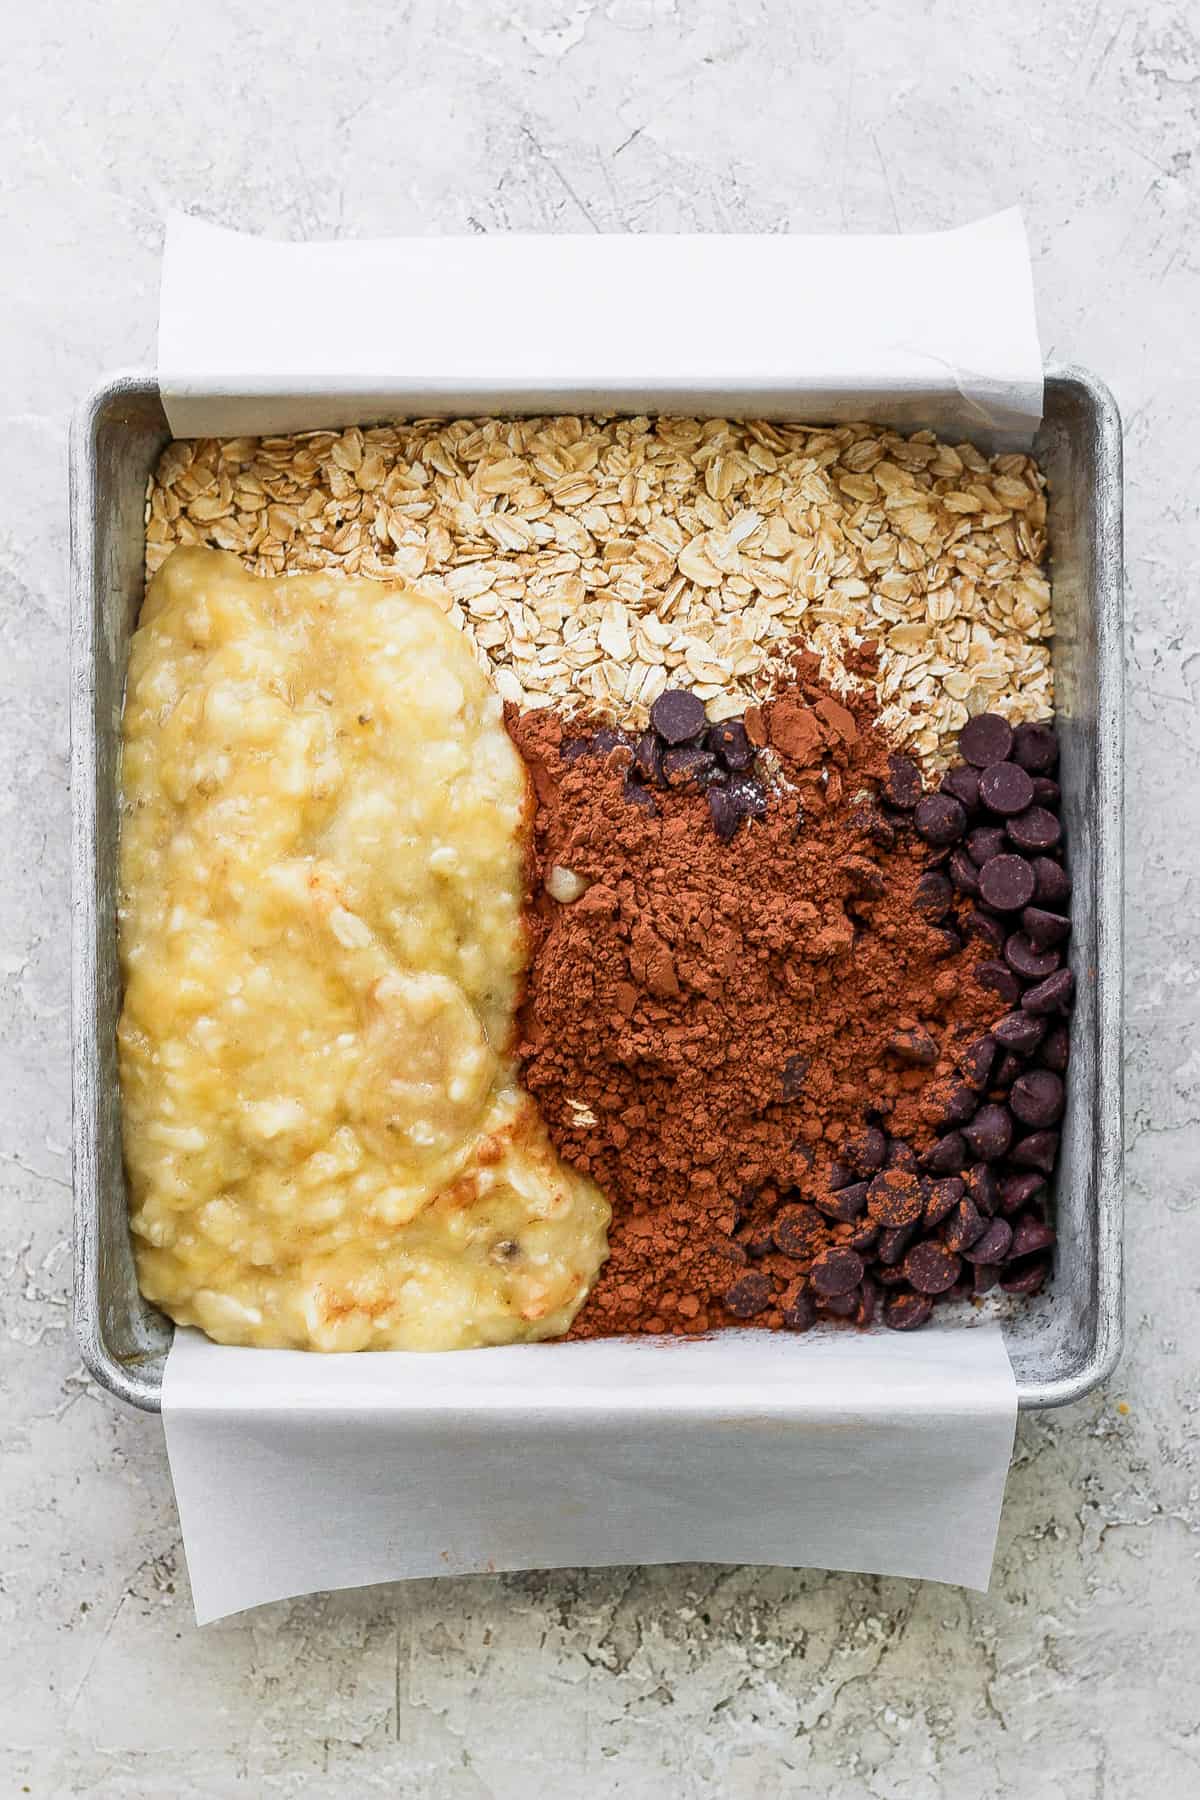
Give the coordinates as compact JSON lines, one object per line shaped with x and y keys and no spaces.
{"x":1061,"y":1343}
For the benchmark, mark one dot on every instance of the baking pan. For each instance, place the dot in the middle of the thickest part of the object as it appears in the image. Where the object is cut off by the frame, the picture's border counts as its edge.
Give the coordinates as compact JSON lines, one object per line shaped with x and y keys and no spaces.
{"x":1063,"y":1342}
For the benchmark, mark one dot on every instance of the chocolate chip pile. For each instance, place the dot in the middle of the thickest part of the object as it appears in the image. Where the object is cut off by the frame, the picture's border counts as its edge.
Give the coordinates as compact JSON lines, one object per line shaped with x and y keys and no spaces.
{"x":966,"y":1213}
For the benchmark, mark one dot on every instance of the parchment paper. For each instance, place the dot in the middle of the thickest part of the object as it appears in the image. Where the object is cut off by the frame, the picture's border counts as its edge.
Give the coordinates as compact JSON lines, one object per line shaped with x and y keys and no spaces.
{"x":884,"y":1453}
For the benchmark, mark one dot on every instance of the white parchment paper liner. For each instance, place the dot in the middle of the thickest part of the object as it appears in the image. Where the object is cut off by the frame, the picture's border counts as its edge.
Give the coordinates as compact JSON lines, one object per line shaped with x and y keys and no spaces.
{"x":883,"y":1453}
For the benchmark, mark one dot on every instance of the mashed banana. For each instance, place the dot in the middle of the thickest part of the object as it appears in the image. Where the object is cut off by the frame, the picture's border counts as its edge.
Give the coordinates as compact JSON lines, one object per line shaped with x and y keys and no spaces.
{"x":320,"y":925}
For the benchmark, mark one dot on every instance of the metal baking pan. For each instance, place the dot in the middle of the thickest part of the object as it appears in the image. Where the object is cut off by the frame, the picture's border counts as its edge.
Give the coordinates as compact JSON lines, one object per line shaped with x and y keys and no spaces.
{"x":1062,"y":1343}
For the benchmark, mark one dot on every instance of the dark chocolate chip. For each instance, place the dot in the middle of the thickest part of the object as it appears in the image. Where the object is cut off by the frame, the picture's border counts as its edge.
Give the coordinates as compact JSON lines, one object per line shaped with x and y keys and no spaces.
{"x":947,"y":1156}
{"x":1026,"y":1278}
{"x":1007,"y":882}
{"x":1046,"y":792}
{"x":574,"y":748}
{"x":977,"y":1061}
{"x":839,"y":1306}
{"x":998,"y":978}
{"x":902,"y":788}
{"x":907,"y":1312}
{"x":1037,"y":1151}
{"x":963,"y":784}
{"x":799,"y":1230}
{"x":868,"y":1301}
{"x":836,"y":1271}
{"x":964,"y":874}
{"x":992,"y":1246}
{"x":980,"y":1182}
{"x":901,"y":1156}
{"x":750,"y":1294}
{"x":845,"y":1203}
{"x":944,"y":941}
{"x":1038,"y":1098}
{"x":687,"y":767}
{"x":934,"y":896}
{"x":1007,"y":1070}
{"x":985,"y":842}
{"x":839,"y":1175}
{"x":985,"y":739}
{"x":756,"y":1240}
{"x":725,"y":813}
{"x":1019,"y":1031}
{"x":647,"y":757}
{"x":893,"y":1242}
{"x":986,"y":929}
{"x":863,"y":1235}
{"x":989,"y":1133}
{"x":965,"y":1224}
{"x":794,"y":1071}
{"x":986,"y":1277}
{"x":748,"y":794}
{"x":942,"y":1198}
{"x":1030,"y":1235}
{"x":871,"y":822}
{"x":1044,"y":928}
{"x":947,"y":1102}
{"x":1055,"y":994}
{"x":678,"y":716}
{"x":637,"y":795}
{"x":888,"y":1277}
{"x":1034,"y":831}
{"x":1056,"y":1051}
{"x":915,"y":1047}
{"x":865,"y":1152}
{"x":1025,"y":960}
{"x":940,"y":819}
{"x":799,"y":1313}
{"x":607,"y":739}
{"x":1006,"y":789}
{"x":1035,"y":747}
{"x":1017,"y":1191}
{"x":730,"y":742}
{"x":930,"y":1268}
{"x":894,"y":1197}
{"x":1052,"y":884}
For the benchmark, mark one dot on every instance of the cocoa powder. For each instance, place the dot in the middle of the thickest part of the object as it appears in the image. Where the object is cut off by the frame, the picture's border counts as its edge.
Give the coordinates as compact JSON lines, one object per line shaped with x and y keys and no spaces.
{"x":710,"y":1023}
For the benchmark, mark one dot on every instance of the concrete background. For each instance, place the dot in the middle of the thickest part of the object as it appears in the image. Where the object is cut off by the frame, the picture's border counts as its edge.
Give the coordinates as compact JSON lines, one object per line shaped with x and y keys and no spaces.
{"x":1075,"y":1678}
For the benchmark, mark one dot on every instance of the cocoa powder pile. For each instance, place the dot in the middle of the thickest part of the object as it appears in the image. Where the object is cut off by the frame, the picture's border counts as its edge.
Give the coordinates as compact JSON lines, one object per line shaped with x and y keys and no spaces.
{"x":711,"y":1025}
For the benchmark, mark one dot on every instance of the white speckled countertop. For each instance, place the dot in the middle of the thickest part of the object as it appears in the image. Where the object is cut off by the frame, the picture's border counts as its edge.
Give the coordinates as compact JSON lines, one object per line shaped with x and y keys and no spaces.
{"x":1075,"y":1679}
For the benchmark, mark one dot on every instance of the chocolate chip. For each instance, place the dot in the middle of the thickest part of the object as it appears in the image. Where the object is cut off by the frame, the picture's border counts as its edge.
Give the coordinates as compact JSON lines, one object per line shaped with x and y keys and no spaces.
{"x":893,"y":1242}
{"x":756,"y":1240}
{"x":1007,"y":1070}
{"x":863,"y":1235}
{"x":903,"y":785}
{"x":915,"y":1047}
{"x":1030,"y":1235}
{"x":574,"y":748}
{"x":1034,"y":830}
{"x":907,"y":1312}
{"x":799,"y":1313}
{"x":1017,"y":1191}
{"x":729,"y":741}
{"x":845,"y":1203}
{"x":865,"y":877}
{"x":981,"y":1184}
{"x":944,"y":941}
{"x":976,"y":1062}
{"x":1056,"y":1051}
{"x":989,"y":1133}
{"x":901,"y":1156}
{"x":748,"y":794}
{"x":985,"y":842}
{"x":1007,"y":882}
{"x":677,"y":716}
{"x":687,"y":767}
{"x":799,"y":1230}
{"x":930,"y":1268}
{"x":839,"y":1175}
{"x":1044,"y":929}
{"x":794,"y":1071}
{"x":1026,"y":1279}
{"x":986,"y":1277}
{"x":963,"y":784}
{"x":637,"y":795}
{"x":964,"y":874}
{"x":837,"y":1271}
{"x":1052,"y":884}
{"x":1037,"y":1151}
{"x":725,"y":813}
{"x":1006,"y":789}
{"x":871,"y":822}
{"x":1035,"y":747}
{"x":868,"y":1300}
{"x":986,"y":930}
{"x":1019,"y":1031}
{"x":865,"y":1152}
{"x":1028,"y":962}
{"x":985,"y":739}
{"x":888,"y":1277}
{"x":607,"y":739}
{"x":942,"y":1197}
{"x":749,"y":1295}
{"x":947,"y":1102}
{"x":964,"y":1226}
{"x":1052,"y":995}
{"x":894,"y":1197}
{"x":992,"y":1245}
{"x":1046,"y":792}
{"x":940,"y":819}
{"x":647,"y":757}
{"x":934,"y":896}
{"x":998,"y":978}
{"x":839,"y":1306}
{"x":947,"y":1156}
{"x":1038,"y":1098}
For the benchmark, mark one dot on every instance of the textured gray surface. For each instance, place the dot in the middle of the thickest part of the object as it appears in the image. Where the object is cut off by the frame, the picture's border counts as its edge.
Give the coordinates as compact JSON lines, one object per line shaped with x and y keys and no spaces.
{"x":1075,"y":1677}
